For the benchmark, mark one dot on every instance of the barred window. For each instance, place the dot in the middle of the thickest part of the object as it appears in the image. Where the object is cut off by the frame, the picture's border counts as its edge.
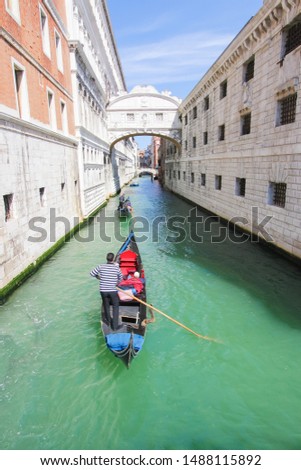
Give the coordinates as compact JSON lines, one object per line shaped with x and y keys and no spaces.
{"x":223,"y":90}
{"x":246,"y":124}
{"x":203,"y":179}
{"x":194,"y":142}
{"x":179,"y":175}
{"x":277,"y":194}
{"x":287,"y":109}
{"x":185,"y":144}
{"x":195,"y":112}
{"x":205,"y":138}
{"x":249,"y":70}
{"x":218,"y":182}
{"x":192,"y":177}
{"x":185,"y":119}
{"x":184,"y":175}
{"x":240,"y":187}
{"x":292,"y":37}
{"x":221,"y":132}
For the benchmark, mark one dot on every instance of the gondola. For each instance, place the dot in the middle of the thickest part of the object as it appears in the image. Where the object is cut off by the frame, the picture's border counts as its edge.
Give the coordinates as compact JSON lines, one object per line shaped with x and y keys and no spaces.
{"x":127,"y":341}
{"x":125,"y":207}
{"x":134,"y":185}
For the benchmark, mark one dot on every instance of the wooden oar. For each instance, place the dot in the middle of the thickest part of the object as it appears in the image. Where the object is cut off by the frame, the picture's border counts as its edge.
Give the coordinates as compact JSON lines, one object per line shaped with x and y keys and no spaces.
{"x":169,"y":318}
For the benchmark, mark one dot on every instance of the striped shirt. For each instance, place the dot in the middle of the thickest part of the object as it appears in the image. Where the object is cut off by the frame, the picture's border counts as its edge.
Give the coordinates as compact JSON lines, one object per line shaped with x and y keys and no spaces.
{"x":109,"y":275}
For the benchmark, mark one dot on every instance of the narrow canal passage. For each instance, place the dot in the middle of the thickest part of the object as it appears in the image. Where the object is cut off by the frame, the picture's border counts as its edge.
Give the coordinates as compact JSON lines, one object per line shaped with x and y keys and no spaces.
{"x":60,"y":388}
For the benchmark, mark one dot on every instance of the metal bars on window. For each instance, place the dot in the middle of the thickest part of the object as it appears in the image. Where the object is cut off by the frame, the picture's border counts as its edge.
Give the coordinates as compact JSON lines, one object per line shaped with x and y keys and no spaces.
{"x":279,"y":194}
{"x":288,"y":109}
{"x":293,"y":38}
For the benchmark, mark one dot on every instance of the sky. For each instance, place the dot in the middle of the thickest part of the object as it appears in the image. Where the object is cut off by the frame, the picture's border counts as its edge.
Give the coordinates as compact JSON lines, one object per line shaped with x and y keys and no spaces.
{"x":170,"y":44}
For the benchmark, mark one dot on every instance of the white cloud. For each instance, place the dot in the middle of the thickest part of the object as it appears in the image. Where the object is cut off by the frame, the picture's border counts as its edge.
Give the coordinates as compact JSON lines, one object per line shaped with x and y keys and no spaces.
{"x":184,"y":57}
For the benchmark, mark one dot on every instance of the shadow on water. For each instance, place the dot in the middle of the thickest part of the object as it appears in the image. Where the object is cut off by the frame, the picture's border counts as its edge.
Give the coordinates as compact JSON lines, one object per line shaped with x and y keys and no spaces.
{"x":271,"y":279}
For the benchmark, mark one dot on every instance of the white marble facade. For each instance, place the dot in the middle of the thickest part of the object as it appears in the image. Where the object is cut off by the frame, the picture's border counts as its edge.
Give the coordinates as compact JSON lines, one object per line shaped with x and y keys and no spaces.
{"x":241,"y":139}
{"x":96,"y":76}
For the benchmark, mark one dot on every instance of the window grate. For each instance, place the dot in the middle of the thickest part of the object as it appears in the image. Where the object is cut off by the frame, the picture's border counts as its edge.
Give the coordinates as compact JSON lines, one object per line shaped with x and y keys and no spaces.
{"x":279,"y":195}
{"x":246,"y":124}
{"x":205,"y":138}
{"x":288,"y":109}
{"x":218,"y":182}
{"x":195,"y":112}
{"x":203,"y":179}
{"x":293,"y":38}
{"x":240,"y":187}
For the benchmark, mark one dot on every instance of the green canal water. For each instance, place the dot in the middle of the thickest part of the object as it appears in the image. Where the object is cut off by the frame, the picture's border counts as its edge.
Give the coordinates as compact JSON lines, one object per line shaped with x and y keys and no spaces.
{"x":60,"y":388}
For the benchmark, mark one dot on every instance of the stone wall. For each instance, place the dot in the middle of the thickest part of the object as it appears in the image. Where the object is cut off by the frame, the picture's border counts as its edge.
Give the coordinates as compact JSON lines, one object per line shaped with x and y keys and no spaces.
{"x":40,"y":173}
{"x":241,"y":147}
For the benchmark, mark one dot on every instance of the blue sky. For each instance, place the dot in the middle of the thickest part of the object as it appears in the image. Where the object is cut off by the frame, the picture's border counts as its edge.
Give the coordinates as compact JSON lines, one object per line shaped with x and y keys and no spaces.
{"x":170,"y":44}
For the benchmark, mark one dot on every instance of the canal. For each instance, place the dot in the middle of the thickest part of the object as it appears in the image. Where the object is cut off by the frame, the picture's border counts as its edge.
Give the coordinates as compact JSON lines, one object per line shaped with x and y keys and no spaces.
{"x":60,"y":388}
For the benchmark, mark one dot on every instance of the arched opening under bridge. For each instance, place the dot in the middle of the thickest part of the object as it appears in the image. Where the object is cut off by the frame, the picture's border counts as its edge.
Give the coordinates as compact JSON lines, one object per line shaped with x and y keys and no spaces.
{"x":144,"y":111}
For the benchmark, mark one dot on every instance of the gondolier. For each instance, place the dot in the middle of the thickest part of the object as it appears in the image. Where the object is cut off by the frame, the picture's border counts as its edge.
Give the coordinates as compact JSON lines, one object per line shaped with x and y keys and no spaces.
{"x":109,"y":275}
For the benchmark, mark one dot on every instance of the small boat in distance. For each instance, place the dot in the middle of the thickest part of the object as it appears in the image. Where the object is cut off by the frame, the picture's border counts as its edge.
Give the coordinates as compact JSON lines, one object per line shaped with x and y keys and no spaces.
{"x":126,"y":342}
{"x":134,"y":184}
{"x":125,"y":207}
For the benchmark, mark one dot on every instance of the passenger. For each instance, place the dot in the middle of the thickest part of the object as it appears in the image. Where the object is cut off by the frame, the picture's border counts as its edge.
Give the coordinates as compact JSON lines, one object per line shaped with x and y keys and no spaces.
{"x":133,"y":282}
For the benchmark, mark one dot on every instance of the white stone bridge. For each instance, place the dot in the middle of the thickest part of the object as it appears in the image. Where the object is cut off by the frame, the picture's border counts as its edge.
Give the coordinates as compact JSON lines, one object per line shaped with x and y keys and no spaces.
{"x":144,"y":111}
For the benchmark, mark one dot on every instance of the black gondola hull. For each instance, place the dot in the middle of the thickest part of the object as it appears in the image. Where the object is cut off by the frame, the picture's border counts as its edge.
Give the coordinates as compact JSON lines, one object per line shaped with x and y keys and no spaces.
{"x":127,"y":341}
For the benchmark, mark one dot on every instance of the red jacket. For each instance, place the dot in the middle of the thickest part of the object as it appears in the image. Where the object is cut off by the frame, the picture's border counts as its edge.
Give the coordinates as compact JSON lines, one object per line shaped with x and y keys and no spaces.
{"x":134,"y":282}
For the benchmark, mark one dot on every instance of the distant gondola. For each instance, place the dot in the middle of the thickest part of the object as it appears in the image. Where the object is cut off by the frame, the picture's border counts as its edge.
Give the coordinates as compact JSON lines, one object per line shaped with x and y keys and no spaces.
{"x":134,"y":184}
{"x":125,"y":207}
{"x":127,"y":341}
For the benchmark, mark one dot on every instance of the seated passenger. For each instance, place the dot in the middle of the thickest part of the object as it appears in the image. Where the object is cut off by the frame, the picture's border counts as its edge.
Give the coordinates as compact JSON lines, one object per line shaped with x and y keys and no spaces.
{"x":133,"y":282}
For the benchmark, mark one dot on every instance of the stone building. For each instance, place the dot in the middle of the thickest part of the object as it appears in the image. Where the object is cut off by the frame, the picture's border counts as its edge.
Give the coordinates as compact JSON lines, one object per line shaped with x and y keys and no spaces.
{"x":241,"y":139}
{"x":38,"y":149}
{"x":96,"y":77}
{"x":59,"y":68}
